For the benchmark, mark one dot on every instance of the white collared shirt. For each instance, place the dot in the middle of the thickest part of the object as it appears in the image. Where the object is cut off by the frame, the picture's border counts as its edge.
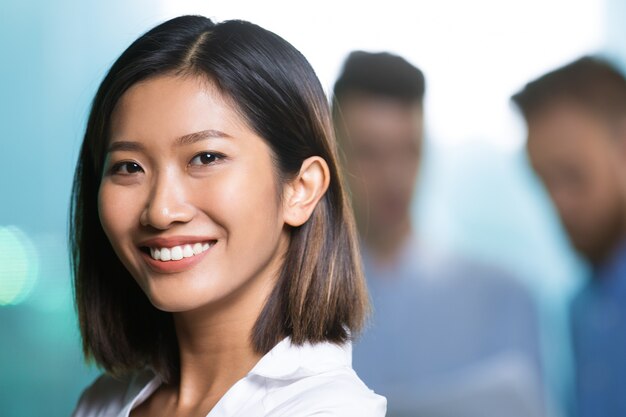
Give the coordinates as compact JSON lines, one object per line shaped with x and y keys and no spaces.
{"x":289,"y":381}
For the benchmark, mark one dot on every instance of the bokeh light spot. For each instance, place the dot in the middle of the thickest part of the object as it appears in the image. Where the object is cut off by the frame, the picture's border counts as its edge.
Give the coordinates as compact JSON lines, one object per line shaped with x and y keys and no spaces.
{"x":19,"y":265}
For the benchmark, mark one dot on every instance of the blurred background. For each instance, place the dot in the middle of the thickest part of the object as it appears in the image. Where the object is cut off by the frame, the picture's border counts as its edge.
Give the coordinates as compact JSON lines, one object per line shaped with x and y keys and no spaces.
{"x":477,"y":194}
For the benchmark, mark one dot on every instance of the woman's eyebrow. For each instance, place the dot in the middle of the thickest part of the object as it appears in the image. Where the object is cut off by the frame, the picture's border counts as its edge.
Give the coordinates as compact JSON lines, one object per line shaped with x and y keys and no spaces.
{"x":198,"y":136}
{"x":123,"y":145}
{"x":191,"y":138}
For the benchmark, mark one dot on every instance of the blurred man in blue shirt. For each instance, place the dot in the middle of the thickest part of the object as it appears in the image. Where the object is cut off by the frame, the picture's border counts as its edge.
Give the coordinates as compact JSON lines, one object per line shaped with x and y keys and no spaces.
{"x":576,"y":118}
{"x":448,"y":337}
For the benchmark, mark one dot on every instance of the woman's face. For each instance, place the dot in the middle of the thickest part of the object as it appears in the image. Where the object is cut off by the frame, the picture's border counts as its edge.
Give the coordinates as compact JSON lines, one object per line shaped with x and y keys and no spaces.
{"x":188,"y":196}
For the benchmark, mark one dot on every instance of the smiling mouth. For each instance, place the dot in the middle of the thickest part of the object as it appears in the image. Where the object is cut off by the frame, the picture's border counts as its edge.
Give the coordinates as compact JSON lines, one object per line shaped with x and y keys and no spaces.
{"x":176,"y":253}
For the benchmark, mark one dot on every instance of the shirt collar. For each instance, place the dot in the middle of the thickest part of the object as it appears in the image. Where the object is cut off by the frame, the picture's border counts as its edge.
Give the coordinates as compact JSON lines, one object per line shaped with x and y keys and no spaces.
{"x":289,"y":361}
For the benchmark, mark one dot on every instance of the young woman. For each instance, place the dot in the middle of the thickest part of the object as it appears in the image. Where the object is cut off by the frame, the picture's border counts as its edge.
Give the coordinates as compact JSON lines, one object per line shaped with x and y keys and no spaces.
{"x":214,"y":252}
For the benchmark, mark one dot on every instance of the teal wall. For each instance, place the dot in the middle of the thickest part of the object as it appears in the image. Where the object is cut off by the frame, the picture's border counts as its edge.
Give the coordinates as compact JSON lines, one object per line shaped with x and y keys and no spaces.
{"x":52,"y":57}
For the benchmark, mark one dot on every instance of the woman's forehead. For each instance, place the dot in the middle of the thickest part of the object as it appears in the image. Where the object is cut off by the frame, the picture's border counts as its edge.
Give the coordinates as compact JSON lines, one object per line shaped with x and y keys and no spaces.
{"x":175,"y":106}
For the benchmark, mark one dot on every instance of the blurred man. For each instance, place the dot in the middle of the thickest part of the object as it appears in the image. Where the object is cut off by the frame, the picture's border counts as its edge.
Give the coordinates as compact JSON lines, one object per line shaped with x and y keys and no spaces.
{"x":448,"y":337}
{"x":576,"y":118}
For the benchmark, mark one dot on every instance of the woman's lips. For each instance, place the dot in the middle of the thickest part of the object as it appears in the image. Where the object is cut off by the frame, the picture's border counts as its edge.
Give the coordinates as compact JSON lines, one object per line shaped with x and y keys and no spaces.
{"x":176,"y":254}
{"x":171,"y":241}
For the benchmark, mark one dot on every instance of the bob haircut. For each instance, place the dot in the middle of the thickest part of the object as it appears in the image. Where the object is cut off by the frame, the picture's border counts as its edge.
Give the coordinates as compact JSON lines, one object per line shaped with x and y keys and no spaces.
{"x":320,"y":294}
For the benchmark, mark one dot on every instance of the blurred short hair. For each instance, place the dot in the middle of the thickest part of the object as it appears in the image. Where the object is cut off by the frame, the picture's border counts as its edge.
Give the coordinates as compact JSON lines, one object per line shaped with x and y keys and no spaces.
{"x":589,"y":81}
{"x":380,"y":74}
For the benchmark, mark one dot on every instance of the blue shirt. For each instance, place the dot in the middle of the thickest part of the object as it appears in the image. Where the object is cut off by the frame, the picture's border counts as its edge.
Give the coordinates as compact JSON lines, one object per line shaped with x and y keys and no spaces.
{"x":448,"y":333}
{"x":599,"y":336}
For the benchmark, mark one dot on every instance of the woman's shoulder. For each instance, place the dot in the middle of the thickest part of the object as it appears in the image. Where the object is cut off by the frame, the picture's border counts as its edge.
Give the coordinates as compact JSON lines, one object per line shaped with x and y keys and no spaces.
{"x":314,"y":380}
{"x":335,"y":393}
{"x":345,"y":395}
{"x":107,"y":395}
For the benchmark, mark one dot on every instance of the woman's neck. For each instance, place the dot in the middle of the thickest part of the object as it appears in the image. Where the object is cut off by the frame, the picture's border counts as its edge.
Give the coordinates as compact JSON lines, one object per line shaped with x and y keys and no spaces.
{"x":213,"y":357}
{"x":215,"y":345}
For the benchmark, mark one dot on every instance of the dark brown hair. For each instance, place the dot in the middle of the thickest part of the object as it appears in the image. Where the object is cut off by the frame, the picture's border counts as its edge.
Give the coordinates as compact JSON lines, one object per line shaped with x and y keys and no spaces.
{"x":320,"y":294}
{"x":590,"y":82}
{"x":380,"y":74}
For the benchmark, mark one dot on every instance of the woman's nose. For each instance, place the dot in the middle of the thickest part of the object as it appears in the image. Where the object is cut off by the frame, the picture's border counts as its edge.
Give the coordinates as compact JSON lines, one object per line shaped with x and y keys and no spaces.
{"x":167,"y":203}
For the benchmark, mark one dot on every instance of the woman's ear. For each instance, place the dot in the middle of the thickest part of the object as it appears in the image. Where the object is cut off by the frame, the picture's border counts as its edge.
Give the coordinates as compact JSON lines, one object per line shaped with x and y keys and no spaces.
{"x":302,"y":193}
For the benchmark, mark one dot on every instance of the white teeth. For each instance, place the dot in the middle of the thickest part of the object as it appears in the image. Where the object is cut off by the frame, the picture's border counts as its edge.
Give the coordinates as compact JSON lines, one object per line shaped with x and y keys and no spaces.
{"x":176,"y":253}
{"x":197,"y":248}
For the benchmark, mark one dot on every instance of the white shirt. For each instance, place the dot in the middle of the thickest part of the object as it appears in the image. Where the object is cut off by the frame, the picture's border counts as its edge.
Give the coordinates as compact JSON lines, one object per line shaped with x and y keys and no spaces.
{"x":289,"y":381}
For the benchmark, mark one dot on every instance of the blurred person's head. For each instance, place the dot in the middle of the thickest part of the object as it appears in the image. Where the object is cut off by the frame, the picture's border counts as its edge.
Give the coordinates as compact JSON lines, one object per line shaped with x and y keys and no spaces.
{"x":379,"y":121}
{"x":576,"y":118}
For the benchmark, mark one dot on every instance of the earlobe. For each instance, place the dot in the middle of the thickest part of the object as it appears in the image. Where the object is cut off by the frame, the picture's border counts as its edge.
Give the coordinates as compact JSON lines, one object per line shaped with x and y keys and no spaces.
{"x":304,"y":191}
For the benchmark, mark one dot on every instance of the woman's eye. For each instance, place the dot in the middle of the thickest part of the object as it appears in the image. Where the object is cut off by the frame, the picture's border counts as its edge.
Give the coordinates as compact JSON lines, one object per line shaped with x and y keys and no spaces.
{"x":126,"y":168}
{"x":205,"y":158}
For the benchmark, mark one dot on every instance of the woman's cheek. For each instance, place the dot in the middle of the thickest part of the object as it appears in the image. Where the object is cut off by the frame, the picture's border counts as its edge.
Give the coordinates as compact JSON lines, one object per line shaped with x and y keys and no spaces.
{"x":118,"y":210}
